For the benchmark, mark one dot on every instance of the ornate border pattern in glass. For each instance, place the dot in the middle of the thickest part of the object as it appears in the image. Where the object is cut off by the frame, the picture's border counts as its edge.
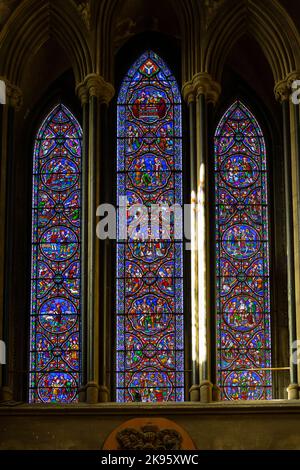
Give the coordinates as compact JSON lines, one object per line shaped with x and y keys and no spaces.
{"x":55,"y":285}
{"x":150,"y":323}
{"x":242,"y":249}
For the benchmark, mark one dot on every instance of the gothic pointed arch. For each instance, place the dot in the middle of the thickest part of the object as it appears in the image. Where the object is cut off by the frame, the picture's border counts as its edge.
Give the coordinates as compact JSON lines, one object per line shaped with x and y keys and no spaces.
{"x":31,"y":25}
{"x":267,"y":22}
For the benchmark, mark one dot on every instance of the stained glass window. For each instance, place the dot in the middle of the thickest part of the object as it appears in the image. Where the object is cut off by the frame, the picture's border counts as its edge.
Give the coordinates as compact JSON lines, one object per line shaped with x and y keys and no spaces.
{"x":55,"y":291}
{"x":242,"y":246}
{"x":150,"y":349}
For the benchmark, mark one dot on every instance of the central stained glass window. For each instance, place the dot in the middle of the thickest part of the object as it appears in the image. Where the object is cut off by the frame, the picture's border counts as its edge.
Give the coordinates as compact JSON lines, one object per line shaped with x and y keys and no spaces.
{"x":150,"y":323}
{"x":242,"y":244}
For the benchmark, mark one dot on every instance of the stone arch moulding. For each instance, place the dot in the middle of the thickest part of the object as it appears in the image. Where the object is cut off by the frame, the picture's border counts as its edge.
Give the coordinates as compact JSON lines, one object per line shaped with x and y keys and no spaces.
{"x":267,"y":22}
{"x":149,"y":434}
{"x":188,"y":13}
{"x":31,"y":25}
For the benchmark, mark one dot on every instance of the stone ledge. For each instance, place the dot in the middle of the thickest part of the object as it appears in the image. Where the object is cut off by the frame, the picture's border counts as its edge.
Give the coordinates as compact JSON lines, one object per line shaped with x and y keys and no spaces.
{"x":241,"y":407}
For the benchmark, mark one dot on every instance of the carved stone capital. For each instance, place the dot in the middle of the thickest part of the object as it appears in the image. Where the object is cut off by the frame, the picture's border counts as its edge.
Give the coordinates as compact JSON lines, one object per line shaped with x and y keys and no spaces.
{"x":201,"y":83}
{"x":82,"y":93}
{"x":14,"y":95}
{"x":293,"y":76}
{"x":282,"y":91}
{"x":283,"y":88}
{"x":95,"y":85}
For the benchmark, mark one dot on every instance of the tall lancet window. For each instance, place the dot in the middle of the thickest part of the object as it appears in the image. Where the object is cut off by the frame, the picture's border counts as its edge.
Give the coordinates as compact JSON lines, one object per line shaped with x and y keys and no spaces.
{"x":242,"y":249}
{"x":150,"y":340}
{"x":56,"y":250}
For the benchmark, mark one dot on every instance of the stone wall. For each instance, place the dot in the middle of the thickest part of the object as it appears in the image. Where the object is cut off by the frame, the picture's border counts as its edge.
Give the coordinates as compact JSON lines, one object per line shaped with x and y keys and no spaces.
{"x":230,"y":426}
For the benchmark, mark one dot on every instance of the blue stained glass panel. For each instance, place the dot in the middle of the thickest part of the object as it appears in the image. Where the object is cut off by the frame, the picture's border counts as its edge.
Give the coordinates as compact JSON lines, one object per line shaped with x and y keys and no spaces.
{"x":242,"y":253}
{"x":150,"y":349}
{"x":55,"y":363}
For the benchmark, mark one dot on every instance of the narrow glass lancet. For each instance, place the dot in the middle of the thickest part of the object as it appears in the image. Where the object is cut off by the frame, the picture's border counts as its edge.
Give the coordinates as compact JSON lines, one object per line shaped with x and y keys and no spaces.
{"x":242,"y":253}
{"x":150,"y":344}
{"x":56,"y":250}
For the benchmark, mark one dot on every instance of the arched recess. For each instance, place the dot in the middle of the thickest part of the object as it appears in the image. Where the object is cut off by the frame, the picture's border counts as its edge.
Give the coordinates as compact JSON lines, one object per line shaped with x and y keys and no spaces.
{"x":239,"y":80}
{"x":42,"y":94}
{"x":185,"y":13}
{"x":268,"y":22}
{"x":32,"y":24}
{"x":149,"y":309}
{"x":55,"y":319}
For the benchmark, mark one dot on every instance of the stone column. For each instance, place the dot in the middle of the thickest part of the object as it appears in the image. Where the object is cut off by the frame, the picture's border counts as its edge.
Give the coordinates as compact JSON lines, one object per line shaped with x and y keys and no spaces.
{"x":194,"y":391}
{"x":13,"y":104}
{"x":282,"y":93}
{"x":83,"y":95}
{"x":295,"y":128}
{"x":99,"y":94}
{"x":200,"y":91}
